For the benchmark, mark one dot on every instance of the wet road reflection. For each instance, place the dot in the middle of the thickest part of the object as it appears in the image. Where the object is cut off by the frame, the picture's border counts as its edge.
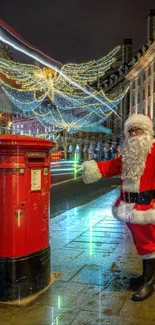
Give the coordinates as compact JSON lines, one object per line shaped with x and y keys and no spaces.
{"x":64,"y":170}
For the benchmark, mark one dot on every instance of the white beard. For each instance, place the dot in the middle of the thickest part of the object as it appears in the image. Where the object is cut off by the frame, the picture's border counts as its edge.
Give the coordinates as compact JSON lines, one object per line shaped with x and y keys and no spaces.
{"x":134,"y":152}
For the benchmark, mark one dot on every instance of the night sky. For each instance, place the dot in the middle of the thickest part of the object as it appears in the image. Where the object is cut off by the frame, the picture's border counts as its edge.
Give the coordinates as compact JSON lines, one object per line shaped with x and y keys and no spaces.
{"x":78,"y":30}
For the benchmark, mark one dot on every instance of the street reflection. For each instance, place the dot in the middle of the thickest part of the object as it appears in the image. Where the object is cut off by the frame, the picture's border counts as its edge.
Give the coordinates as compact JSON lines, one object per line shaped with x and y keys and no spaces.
{"x":90,"y":233}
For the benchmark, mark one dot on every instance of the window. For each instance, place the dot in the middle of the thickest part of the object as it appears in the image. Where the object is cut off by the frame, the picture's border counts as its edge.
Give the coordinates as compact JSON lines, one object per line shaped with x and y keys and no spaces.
{"x":143,"y":108}
{"x":149,"y":90}
{"x":143,"y":93}
{"x":149,"y":70}
{"x":143,"y":76}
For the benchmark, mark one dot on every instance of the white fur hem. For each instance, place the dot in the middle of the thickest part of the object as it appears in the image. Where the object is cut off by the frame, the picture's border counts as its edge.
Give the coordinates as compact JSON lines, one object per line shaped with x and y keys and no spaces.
{"x":91,"y":172}
{"x":148,"y":256}
{"x":125,"y":212}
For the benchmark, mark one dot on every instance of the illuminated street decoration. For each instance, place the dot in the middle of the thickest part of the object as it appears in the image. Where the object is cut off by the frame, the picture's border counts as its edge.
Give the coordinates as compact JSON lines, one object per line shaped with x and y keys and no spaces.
{"x":47,"y":81}
{"x":24,"y":80}
{"x":27,"y":99}
{"x":91,"y":233}
{"x":27,"y":86}
{"x":65,"y":120}
{"x":75,"y":104}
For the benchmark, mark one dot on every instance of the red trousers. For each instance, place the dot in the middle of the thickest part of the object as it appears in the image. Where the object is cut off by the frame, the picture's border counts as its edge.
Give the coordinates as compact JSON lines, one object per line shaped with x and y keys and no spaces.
{"x":144,"y":237}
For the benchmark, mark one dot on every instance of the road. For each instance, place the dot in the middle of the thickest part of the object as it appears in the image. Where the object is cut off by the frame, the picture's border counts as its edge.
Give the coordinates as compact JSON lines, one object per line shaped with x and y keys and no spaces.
{"x":63,"y":170}
{"x":65,"y":196}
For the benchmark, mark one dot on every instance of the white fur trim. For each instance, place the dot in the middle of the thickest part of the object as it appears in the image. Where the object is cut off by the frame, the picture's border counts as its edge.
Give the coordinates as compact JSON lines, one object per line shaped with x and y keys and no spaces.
{"x":148,"y":256}
{"x":125,"y":212}
{"x":90,"y":172}
{"x":139,"y":120}
{"x":130,"y":186}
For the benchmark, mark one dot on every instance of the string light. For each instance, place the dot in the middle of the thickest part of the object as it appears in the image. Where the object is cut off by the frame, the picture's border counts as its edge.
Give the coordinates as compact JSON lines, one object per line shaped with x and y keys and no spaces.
{"x":9,"y":37}
{"x":75,"y":107}
{"x":25,"y":77}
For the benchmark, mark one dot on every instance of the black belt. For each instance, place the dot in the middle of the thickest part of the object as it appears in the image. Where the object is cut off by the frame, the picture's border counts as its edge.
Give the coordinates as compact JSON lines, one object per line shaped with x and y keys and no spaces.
{"x":139,"y":197}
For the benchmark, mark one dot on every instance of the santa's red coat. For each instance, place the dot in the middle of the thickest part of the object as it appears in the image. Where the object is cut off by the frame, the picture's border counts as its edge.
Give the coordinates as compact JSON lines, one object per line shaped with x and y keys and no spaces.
{"x":140,"y":218}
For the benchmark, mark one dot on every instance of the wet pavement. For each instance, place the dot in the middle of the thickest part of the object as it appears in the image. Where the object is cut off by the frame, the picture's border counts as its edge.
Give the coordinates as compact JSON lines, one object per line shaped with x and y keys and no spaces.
{"x":74,"y":193}
{"x":95,"y":255}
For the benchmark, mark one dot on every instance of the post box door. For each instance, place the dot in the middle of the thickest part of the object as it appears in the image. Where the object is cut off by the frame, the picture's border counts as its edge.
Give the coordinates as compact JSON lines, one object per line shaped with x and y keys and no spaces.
{"x":37,"y":227}
{"x":12,"y":213}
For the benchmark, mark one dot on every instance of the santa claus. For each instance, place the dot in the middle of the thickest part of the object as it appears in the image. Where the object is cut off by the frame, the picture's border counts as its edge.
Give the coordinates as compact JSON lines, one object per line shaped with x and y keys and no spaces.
{"x":136,"y":204}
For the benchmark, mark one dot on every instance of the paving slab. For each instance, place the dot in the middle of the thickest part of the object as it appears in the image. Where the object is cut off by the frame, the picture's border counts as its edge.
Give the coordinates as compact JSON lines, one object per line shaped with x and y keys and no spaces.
{"x":99,"y":318}
{"x":62,"y":295}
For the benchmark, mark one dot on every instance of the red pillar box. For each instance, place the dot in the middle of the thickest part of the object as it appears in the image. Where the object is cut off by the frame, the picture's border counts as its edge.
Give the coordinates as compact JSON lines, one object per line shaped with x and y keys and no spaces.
{"x":24,"y":215}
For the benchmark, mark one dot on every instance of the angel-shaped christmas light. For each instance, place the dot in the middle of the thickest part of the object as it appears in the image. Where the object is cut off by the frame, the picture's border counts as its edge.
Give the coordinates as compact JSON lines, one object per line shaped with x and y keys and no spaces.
{"x":67,"y":86}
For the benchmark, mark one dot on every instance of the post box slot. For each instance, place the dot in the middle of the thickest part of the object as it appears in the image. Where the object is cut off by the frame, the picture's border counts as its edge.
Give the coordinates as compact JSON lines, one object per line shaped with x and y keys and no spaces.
{"x":36,"y":159}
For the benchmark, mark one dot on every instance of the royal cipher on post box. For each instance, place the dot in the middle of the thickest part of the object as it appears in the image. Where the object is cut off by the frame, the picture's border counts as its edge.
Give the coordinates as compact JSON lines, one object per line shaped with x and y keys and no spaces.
{"x":24,"y":215}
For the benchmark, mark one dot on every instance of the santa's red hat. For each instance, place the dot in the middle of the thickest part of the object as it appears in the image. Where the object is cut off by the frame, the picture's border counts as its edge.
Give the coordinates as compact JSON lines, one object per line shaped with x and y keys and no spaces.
{"x":141,"y":121}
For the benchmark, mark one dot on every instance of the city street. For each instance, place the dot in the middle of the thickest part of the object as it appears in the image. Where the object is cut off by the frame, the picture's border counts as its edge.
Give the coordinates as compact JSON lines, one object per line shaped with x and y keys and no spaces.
{"x":68,"y":192}
{"x":63,"y":170}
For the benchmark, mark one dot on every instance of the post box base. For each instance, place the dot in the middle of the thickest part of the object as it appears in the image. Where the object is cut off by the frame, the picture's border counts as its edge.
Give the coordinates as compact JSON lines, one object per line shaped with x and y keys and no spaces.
{"x":24,"y":276}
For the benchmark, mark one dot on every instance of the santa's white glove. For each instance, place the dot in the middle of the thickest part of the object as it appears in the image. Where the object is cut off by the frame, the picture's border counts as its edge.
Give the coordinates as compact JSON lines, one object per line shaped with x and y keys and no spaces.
{"x":90,"y":172}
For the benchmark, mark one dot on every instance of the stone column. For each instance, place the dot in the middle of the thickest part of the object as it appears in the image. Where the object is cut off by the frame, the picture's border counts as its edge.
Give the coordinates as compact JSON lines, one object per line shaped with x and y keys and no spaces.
{"x":151,"y":88}
{"x":146,"y":91}
{"x":141,"y":93}
{"x":80,"y":151}
{"x":136,"y":95}
{"x":65,"y":151}
{"x":131,"y":97}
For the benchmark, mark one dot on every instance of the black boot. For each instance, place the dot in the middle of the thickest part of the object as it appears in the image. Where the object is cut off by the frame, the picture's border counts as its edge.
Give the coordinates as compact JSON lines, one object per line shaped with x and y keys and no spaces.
{"x":138,"y":280}
{"x":147,"y":288}
{"x":135,"y":281}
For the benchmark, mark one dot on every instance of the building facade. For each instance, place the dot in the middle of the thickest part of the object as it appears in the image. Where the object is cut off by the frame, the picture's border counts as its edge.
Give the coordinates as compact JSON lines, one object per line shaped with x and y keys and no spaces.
{"x":6,"y":106}
{"x":142,"y":75}
{"x":138,"y":72}
{"x":113,"y":84}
